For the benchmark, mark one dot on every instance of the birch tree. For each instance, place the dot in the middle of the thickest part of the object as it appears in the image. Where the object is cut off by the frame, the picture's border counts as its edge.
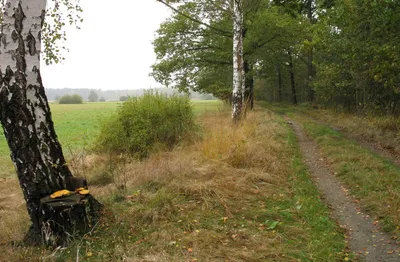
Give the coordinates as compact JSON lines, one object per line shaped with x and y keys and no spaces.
{"x":209,"y":12}
{"x":24,"y":110}
{"x":238,"y":65}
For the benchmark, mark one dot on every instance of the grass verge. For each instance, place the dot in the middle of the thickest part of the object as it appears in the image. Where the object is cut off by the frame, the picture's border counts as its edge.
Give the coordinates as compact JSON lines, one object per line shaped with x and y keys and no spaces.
{"x":239,"y":194}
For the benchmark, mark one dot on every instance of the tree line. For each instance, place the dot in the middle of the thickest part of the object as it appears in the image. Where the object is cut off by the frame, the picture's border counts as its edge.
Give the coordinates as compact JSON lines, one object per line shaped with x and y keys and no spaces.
{"x":336,"y":53}
{"x":93,"y":95}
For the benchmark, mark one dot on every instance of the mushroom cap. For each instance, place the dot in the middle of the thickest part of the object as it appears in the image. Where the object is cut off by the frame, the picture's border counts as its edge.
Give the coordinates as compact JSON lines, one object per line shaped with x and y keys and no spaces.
{"x":60,"y":193}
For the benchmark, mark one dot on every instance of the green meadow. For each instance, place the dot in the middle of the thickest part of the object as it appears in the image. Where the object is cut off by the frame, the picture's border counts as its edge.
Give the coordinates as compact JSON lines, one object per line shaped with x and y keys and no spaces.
{"x":77,"y":126}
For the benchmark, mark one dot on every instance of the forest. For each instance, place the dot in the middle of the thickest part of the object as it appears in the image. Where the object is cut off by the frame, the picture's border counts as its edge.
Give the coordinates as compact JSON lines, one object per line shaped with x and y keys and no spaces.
{"x":334,"y":53}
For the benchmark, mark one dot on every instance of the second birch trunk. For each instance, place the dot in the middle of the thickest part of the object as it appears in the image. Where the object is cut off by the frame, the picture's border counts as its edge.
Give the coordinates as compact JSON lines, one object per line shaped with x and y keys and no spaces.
{"x":238,"y":62}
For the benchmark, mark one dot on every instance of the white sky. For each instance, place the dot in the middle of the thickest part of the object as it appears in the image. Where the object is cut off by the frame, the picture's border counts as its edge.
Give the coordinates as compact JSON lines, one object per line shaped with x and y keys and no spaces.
{"x":113,"y":49}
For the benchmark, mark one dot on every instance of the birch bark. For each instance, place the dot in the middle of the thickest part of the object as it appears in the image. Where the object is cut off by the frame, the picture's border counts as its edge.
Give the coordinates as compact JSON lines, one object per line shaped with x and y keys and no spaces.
{"x":24,"y":109}
{"x":238,"y":62}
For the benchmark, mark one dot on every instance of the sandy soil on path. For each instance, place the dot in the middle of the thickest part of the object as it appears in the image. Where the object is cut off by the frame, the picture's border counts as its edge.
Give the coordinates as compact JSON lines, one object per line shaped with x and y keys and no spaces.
{"x":364,"y":238}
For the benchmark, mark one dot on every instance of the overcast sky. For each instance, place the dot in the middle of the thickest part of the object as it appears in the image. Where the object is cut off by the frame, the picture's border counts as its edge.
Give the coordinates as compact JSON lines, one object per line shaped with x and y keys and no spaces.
{"x":113,"y":50}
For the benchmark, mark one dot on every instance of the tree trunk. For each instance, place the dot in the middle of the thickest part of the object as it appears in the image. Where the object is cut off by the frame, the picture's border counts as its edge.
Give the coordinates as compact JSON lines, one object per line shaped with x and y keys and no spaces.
{"x":238,"y":67}
{"x":292,"y":80}
{"x":310,"y":56}
{"x":249,"y":83}
{"x":251,"y":96}
{"x":24,"y":109}
{"x":280,"y":85}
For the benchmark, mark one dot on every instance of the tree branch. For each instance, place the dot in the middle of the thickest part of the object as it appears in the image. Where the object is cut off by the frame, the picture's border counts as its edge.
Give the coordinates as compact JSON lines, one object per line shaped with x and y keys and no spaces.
{"x":211,"y":61}
{"x":224,"y":32}
{"x":267,"y":41}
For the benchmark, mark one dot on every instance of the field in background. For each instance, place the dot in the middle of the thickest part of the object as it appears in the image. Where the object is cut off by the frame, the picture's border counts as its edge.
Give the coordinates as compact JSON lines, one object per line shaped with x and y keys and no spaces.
{"x":77,"y":125}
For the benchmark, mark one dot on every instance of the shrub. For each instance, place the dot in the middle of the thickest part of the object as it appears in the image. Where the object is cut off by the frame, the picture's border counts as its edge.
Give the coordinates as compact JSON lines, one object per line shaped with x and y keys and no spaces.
{"x":123,"y":98}
{"x":146,"y":123}
{"x":71,"y":99}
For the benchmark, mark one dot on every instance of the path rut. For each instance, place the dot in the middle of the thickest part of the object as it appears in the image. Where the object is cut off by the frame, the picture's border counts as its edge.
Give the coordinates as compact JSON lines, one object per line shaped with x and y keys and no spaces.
{"x":364,"y":237}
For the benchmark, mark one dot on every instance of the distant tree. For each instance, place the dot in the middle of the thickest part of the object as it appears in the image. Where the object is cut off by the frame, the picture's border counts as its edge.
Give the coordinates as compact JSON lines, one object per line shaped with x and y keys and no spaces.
{"x":102,"y":99}
{"x":71,"y":99}
{"x":57,"y":98}
{"x":93,"y":96}
{"x":123,"y":98}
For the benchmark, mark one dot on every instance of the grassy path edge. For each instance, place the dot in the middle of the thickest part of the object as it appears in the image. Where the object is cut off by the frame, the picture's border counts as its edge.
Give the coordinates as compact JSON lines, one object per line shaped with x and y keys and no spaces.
{"x":361,"y":231}
{"x":326,"y":234}
{"x":369,"y":177}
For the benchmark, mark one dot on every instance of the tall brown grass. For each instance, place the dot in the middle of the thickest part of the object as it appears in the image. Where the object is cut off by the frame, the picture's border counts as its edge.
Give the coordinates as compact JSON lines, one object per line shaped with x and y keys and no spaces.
{"x":199,"y":202}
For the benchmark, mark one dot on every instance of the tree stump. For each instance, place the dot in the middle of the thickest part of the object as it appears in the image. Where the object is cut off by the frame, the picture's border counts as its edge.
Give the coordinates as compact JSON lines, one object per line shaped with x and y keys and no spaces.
{"x":61,"y":219}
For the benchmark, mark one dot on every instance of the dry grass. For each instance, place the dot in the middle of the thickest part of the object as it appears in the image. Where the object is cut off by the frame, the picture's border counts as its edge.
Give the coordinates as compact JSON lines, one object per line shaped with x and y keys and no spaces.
{"x":13,"y":217}
{"x":380,"y":132}
{"x":227,"y":197}
{"x":384,"y":131}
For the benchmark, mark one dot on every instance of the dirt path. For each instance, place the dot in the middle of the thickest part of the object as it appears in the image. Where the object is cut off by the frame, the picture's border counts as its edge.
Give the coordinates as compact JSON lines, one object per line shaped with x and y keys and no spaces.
{"x":364,"y":238}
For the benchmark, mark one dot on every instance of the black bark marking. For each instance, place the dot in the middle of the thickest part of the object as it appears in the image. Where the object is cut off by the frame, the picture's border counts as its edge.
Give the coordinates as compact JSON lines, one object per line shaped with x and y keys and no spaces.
{"x":20,"y":55}
{"x":31,"y":43}
{"x":14,"y":36}
{"x":42,"y":17}
{"x":38,"y":76}
{"x":20,"y":78}
{"x":3,"y":40}
{"x":237,"y":101}
{"x":8,"y":75}
{"x":1,"y":78}
{"x":19,"y":18}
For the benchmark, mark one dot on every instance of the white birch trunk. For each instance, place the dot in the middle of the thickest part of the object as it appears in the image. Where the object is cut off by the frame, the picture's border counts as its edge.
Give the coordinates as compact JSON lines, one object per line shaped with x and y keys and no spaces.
{"x":238,"y":65}
{"x":24,"y":110}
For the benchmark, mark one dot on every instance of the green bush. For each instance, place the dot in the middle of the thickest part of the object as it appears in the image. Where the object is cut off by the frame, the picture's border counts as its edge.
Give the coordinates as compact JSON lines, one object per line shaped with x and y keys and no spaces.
{"x":123,"y":98}
{"x":71,"y":99}
{"x":146,"y":123}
